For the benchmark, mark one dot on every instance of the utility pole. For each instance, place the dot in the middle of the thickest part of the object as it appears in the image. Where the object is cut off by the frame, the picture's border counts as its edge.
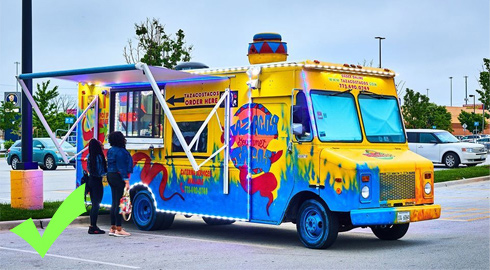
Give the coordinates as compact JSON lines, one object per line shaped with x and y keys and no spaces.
{"x":466,"y":90}
{"x":451,"y":89}
{"x":380,"y":38}
{"x":17,"y":74}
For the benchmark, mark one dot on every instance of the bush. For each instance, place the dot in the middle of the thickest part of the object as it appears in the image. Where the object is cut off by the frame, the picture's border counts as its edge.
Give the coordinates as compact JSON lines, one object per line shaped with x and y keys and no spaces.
{"x":8,"y":144}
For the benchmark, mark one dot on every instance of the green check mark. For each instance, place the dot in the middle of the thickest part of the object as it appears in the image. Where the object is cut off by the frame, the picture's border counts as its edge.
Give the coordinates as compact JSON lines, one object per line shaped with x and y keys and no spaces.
{"x":71,"y":208}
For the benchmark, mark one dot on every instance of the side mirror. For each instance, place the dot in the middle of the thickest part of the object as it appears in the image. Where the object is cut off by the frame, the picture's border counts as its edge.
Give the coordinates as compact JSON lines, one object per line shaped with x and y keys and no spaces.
{"x":298,"y":129}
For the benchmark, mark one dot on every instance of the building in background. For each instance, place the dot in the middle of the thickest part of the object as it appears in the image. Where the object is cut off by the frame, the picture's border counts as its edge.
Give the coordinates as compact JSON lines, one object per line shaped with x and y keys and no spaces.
{"x":456,"y":125}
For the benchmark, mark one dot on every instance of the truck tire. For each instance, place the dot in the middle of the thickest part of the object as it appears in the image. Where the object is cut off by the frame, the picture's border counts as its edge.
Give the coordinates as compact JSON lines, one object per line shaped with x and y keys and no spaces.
{"x":145,"y":216}
{"x":316,"y":225}
{"x":390,"y":232}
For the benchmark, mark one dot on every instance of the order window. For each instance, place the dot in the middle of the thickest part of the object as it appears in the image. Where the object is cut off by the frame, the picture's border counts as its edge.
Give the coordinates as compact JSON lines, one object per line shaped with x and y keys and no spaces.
{"x":189,"y":130}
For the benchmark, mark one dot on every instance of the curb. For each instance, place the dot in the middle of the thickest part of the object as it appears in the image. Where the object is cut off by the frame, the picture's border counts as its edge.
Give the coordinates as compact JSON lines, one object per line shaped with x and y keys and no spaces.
{"x":40,"y":223}
{"x":462,"y":181}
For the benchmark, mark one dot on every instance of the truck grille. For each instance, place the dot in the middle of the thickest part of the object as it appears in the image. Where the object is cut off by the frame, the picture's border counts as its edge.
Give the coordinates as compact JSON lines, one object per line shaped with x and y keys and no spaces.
{"x":397,"y":186}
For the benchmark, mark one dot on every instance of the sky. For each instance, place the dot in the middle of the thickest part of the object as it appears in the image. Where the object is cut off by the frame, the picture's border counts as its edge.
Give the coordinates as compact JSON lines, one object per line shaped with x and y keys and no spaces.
{"x":427,"y":41}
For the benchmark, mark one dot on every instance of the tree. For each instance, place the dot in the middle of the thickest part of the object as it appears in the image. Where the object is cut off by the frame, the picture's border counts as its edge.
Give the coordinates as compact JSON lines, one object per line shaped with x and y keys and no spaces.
{"x":9,"y":117}
{"x":470,"y":118}
{"x":418,"y":112}
{"x":65,"y":102}
{"x":484,"y":81}
{"x":45,"y":98}
{"x":157,"y":48}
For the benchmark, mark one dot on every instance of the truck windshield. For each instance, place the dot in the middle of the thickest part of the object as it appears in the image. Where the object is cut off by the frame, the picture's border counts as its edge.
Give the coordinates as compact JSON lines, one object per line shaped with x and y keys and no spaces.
{"x":336,"y":116}
{"x":381,"y":119}
{"x":446,"y":137}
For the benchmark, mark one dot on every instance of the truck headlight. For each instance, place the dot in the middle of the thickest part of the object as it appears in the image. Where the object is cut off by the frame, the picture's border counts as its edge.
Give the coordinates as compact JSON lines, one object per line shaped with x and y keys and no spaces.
{"x":427,"y":188}
{"x":365,"y":192}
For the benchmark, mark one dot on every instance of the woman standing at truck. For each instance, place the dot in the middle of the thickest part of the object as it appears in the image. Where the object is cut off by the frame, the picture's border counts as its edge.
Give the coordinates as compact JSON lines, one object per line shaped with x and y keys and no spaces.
{"x":119,"y":167}
{"x":97,"y":168}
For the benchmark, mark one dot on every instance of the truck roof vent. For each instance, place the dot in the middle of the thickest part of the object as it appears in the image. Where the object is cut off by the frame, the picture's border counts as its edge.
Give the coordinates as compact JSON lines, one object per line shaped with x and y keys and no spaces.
{"x":190,"y":65}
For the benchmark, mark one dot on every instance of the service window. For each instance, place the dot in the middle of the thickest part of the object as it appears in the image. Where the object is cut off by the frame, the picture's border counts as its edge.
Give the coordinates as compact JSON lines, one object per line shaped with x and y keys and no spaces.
{"x":189,"y":130}
{"x":136,"y":113}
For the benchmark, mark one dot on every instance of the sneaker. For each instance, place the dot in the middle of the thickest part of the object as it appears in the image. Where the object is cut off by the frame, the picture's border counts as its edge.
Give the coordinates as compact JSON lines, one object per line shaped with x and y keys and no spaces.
{"x":112,"y":232}
{"x":95,"y":230}
{"x":122,"y":233}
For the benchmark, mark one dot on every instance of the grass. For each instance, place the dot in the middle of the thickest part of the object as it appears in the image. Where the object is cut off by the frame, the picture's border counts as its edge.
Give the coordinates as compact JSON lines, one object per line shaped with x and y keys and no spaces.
{"x":9,"y":213}
{"x":461,"y":173}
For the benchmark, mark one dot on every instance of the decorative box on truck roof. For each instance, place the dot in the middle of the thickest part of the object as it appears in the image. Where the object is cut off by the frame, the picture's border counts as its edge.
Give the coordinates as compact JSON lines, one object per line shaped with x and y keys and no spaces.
{"x":318,"y":144}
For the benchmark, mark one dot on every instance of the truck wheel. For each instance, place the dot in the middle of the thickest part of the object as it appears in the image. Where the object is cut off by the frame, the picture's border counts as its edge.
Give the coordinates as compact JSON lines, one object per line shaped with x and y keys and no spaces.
{"x":317,"y":226}
{"x":15,"y":160}
{"x":145,"y":216}
{"x":217,"y":221}
{"x":451,"y":160}
{"x":390,"y":232}
{"x":49,"y":163}
{"x":166,"y":220}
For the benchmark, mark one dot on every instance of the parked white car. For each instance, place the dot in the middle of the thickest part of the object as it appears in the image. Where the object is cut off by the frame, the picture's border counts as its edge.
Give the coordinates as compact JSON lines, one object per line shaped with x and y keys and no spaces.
{"x":440,"y":146}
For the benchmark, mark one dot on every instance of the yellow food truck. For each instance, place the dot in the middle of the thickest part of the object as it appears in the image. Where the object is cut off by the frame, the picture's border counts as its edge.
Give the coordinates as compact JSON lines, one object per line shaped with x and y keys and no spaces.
{"x":319,"y":144}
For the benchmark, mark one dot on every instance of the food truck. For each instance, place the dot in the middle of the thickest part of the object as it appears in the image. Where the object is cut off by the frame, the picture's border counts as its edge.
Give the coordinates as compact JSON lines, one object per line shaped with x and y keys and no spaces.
{"x":319,"y":144}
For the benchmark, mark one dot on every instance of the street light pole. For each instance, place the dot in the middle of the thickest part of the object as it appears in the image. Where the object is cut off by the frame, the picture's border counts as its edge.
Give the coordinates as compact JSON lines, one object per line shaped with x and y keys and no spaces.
{"x":466,"y":90}
{"x":380,"y":38}
{"x":427,"y":92}
{"x":16,"y":74}
{"x":451,"y":89}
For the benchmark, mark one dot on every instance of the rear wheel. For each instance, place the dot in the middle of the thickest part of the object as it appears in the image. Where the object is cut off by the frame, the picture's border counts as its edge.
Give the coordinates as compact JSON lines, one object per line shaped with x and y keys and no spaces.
{"x":390,"y":232}
{"x":451,"y":160}
{"x":49,"y":163}
{"x":217,"y":221}
{"x":145,"y":216}
{"x":14,"y":161}
{"x":317,"y":226}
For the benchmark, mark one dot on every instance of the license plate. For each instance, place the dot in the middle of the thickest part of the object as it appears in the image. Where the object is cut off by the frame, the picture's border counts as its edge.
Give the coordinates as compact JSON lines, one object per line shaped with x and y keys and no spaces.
{"x":403,"y":217}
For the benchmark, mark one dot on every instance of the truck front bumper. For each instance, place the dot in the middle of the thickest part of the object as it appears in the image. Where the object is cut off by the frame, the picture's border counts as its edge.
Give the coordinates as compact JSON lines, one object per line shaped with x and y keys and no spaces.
{"x":394,"y":215}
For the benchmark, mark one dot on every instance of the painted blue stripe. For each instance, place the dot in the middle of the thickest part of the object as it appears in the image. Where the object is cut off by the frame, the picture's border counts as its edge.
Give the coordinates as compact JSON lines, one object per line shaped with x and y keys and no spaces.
{"x":53,"y":74}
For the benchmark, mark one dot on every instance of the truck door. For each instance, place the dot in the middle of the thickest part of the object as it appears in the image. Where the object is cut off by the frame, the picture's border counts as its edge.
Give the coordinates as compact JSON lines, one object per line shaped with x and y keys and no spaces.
{"x":271,"y":184}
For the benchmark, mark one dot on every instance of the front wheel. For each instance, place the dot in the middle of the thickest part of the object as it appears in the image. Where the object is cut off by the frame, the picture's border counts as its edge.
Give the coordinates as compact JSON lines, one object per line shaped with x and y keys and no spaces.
{"x":451,"y":160}
{"x":317,"y":226}
{"x":390,"y":232}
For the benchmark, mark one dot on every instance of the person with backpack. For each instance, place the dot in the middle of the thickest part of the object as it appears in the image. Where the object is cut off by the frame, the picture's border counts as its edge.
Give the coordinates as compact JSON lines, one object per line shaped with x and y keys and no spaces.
{"x":120,"y":166}
{"x":97,"y":168}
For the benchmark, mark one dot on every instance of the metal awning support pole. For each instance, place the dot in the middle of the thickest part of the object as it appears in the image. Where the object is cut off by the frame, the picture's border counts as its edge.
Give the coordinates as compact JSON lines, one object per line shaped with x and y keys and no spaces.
{"x":96,"y":118}
{"x":43,"y":120}
{"x":80,"y":118}
{"x":156,"y":90}
{"x":227,"y":143}
{"x":215,"y":109}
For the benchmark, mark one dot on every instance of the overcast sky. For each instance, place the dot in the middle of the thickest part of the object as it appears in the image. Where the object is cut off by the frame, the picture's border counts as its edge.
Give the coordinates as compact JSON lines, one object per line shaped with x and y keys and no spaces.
{"x":427,"y":41}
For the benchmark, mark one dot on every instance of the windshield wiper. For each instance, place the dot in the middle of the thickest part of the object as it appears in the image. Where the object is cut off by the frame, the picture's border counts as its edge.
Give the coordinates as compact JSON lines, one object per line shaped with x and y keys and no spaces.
{"x":340,"y":93}
{"x":378,"y":96}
